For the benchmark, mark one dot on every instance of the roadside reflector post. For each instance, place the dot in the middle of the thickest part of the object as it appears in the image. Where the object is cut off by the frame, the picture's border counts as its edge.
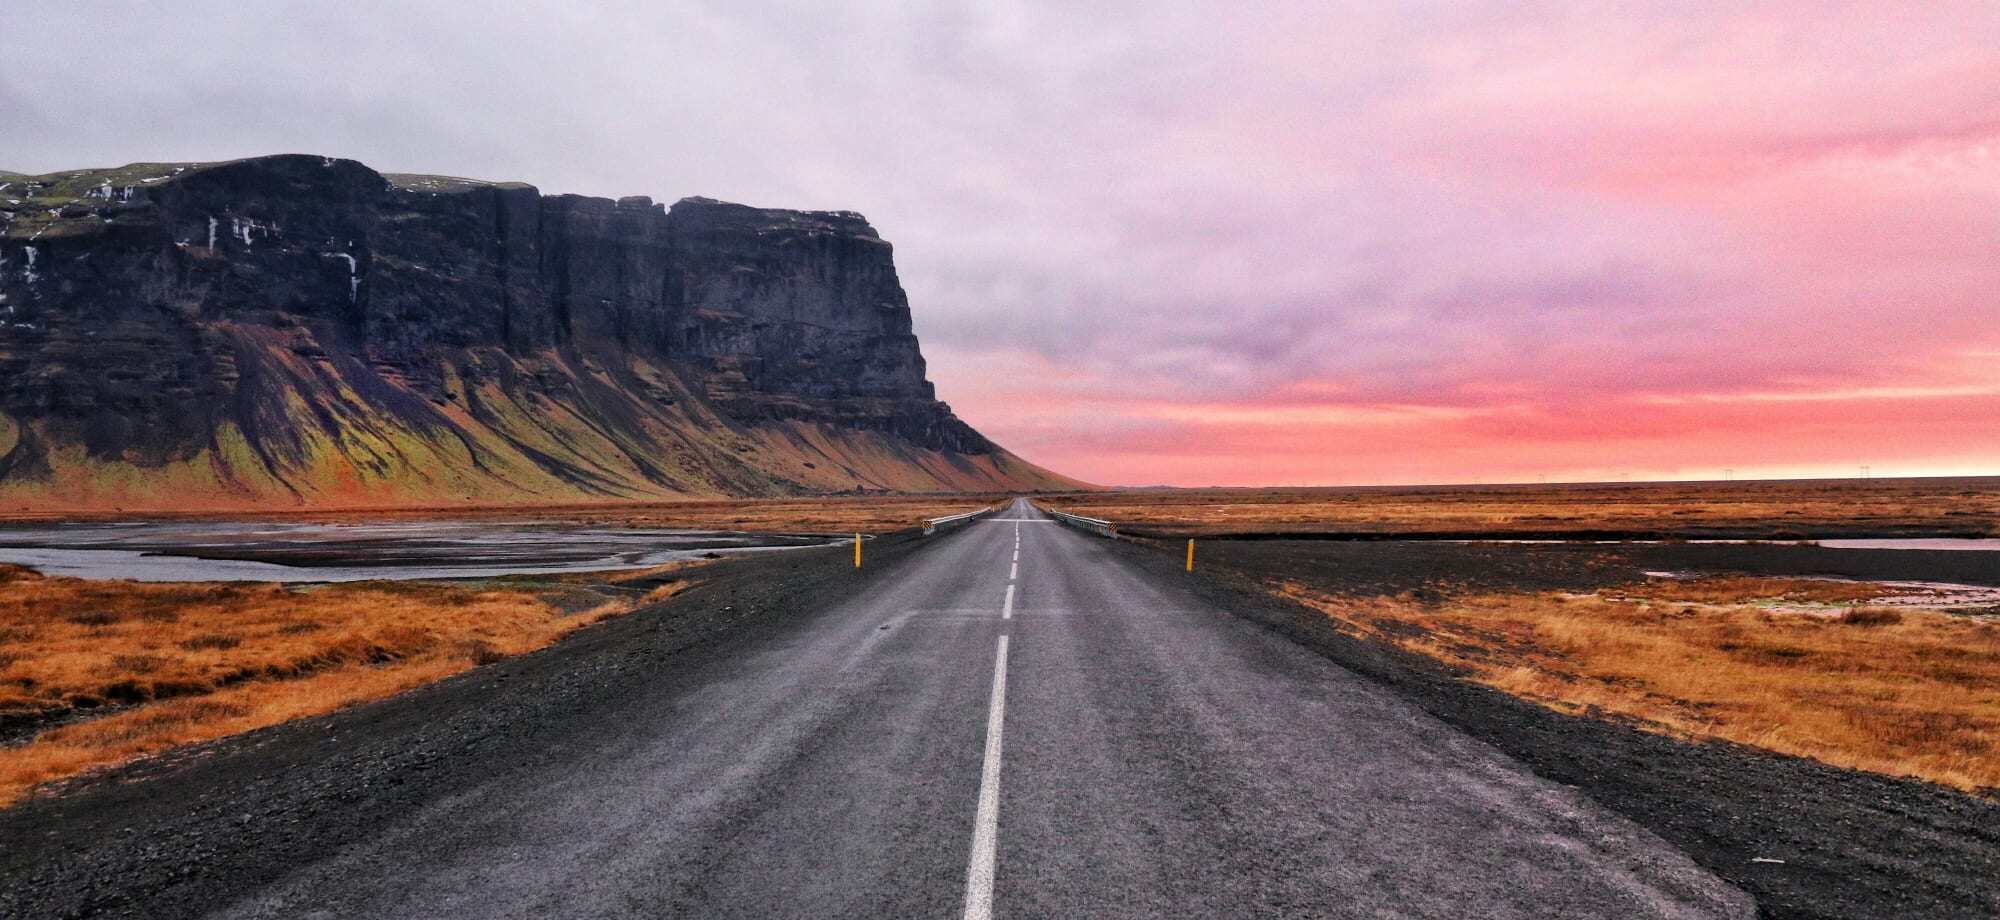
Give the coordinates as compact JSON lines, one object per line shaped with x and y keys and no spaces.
{"x":857,"y":550}
{"x":1190,"y":566}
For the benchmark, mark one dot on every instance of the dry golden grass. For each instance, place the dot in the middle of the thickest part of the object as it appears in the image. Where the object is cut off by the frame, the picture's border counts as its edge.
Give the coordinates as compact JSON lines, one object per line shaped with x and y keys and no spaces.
{"x":173,"y":664}
{"x":1904,"y":692}
{"x":872,"y":514}
{"x":1970,"y":506}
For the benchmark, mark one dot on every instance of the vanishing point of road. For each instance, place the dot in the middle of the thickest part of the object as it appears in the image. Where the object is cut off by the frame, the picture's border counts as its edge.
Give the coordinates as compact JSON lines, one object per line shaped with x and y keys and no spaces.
{"x":1020,"y":723}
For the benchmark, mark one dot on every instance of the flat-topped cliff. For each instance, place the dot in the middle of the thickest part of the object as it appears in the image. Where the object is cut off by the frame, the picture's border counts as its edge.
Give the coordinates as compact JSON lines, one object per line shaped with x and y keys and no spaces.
{"x":294,"y":330}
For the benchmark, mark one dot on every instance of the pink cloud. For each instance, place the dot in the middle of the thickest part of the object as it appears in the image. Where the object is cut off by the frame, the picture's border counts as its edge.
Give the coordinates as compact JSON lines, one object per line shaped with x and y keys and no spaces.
{"x":1635,"y":240}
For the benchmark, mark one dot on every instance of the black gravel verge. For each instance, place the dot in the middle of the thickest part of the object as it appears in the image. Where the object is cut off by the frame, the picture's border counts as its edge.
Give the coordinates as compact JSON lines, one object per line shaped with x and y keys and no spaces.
{"x":177,"y":835}
{"x":1966,"y":567}
{"x":1854,"y":845}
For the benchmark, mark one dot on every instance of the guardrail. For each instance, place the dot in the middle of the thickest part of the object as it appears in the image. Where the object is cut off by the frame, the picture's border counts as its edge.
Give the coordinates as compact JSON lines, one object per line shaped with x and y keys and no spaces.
{"x":1078,"y":521}
{"x":951,"y":520}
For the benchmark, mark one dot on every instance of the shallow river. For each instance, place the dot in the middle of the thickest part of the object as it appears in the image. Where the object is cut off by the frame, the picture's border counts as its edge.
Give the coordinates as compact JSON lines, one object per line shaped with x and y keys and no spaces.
{"x":252,"y":551}
{"x":1951,"y":543}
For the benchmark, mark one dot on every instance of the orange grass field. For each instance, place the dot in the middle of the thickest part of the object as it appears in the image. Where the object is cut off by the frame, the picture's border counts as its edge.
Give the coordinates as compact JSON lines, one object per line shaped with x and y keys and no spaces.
{"x":174,"y":664}
{"x":1964,"y":506}
{"x":1899,"y":691}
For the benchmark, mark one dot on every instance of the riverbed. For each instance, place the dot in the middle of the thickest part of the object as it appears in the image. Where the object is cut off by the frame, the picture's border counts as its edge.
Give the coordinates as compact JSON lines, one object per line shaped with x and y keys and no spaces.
{"x":316,"y":552}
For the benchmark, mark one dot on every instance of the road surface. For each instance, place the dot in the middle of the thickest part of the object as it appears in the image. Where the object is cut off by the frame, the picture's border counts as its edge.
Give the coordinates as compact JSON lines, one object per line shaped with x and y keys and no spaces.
{"x":1018,"y":723}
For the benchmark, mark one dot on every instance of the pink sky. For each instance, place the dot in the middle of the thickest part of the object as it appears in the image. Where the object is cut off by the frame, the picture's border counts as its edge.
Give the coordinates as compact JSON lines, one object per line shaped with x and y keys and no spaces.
{"x":1192,"y":243}
{"x":1656,"y":245}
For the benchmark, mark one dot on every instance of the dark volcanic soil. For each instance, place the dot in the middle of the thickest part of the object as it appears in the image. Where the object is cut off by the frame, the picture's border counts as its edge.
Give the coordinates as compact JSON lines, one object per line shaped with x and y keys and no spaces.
{"x":1365,"y":567}
{"x":1967,"y":567}
{"x":1854,"y":845}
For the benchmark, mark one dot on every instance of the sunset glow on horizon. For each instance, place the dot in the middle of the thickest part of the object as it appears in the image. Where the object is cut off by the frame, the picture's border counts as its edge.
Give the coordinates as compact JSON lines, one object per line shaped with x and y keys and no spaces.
{"x":1797,"y":434}
{"x":1300,"y":243}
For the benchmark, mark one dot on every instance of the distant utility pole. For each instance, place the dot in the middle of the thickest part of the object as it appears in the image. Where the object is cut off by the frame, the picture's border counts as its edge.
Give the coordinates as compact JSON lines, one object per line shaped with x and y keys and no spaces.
{"x":1864,"y":471}
{"x":1728,"y":474}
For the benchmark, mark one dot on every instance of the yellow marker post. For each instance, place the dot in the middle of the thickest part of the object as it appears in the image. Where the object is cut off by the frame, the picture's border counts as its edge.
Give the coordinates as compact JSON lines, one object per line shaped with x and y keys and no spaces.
{"x":857,"y":551}
{"x":1190,"y":566}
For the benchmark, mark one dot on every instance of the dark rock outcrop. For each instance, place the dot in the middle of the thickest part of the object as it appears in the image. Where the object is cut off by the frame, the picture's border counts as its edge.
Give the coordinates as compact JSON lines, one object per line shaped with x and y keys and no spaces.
{"x":313,"y":309}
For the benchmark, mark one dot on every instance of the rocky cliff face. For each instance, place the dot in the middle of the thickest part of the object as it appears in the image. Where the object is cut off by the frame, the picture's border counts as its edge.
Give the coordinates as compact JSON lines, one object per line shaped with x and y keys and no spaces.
{"x":307,"y":330}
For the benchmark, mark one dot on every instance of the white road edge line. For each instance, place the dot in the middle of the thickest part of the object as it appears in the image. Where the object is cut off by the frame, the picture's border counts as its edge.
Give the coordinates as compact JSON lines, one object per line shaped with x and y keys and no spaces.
{"x":986,"y":827}
{"x":1007,"y":611}
{"x":1013,"y":570}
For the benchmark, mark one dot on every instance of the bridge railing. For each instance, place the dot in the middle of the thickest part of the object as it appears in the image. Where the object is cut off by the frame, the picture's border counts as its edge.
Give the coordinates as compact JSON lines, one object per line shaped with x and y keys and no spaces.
{"x":1078,"y":521}
{"x":931,"y":525}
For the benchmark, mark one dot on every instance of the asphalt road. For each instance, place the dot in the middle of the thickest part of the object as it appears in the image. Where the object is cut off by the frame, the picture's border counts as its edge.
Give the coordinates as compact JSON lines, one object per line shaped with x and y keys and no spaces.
{"x":1019,"y":723}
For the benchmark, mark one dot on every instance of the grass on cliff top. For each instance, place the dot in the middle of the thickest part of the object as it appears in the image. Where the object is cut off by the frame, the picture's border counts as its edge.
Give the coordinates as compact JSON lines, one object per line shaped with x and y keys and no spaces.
{"x":74,"y":183}
{"x":58,"y":203}
{"x":132,"y":669}
{"x":423,"y":182}
{"x":1900,"y":691}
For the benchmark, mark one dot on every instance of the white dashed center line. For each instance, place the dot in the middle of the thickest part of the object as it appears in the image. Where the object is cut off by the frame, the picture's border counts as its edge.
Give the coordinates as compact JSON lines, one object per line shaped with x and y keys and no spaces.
{"x":986,"y":827}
